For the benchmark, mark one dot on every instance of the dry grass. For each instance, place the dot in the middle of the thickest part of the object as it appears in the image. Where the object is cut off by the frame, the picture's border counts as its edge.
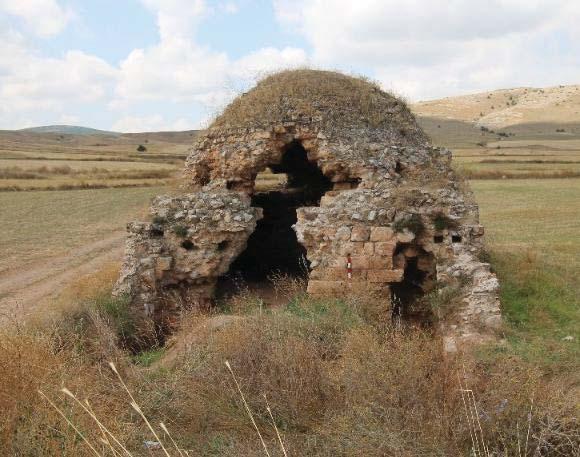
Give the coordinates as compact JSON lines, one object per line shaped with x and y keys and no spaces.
{"x":509,"y":107}
{"x":336,"y":384}
{"x":539,"y":216}
{"x":340,"y":99}
{"x":18,"y":175}
{"x":502,"y":173}
{"x":39,"y":225}
{"x":51,"y":161}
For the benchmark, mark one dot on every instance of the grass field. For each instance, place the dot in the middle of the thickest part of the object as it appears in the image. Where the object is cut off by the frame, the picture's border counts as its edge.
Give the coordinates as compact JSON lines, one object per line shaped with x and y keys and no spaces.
{"x":34,"y":161}
{"x":532,"y":232}
{"x":523,"y":151}
{"x":39,"y":225}
{"x":532,"y":229}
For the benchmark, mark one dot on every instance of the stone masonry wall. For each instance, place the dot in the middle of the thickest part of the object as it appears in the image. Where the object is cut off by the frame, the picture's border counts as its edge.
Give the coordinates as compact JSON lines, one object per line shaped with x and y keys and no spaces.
{"x":395,"y":201}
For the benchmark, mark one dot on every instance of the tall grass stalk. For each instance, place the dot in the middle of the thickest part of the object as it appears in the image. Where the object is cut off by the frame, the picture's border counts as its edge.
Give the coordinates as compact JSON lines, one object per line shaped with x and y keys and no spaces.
{"x":248,"y":408}
{"x":275,"y":427}
{"x":58,"y":410}
{"x":164,"y":428}
{"x":529,"y":427}
{"x":137,"y":408}
{"x":475,"y":430}
{"x":89,"y":411}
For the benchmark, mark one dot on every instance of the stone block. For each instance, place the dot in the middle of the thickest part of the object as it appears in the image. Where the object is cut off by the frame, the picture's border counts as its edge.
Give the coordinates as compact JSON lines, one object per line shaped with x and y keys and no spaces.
{"x":382,"y":234}
{"x":262,"y":135}
{"x":316,"y":287}
{"x":477,"y":230}
{"x":326,"y":200}
{"x":360,"y":233}
{"x":399,"y":261}
{"x":351,"y":248}
{"x":343,"y":233}
{"x":329,"y":232}
{"x":380,"y":262}
{"x":385,"y":248}
{"x":329,"y":274}
{"x":360,"y":262}
{"x":385,"y":275}
{"x":369,"y":248}
{"x":405,"y":236}
{"x":163,"y":263}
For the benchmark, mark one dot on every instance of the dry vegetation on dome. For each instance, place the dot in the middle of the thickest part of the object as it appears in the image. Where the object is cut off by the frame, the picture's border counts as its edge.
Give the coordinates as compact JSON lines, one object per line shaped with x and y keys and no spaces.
{"x":337,"y":98}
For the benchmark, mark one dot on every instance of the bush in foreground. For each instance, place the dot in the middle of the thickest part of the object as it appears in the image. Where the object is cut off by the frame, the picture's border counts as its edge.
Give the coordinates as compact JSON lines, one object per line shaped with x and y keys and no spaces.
{"x":338,"y":379}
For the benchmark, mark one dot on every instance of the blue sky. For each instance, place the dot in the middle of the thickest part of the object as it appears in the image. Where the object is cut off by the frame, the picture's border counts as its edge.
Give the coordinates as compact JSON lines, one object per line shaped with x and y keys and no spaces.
{"x":137,"y":65}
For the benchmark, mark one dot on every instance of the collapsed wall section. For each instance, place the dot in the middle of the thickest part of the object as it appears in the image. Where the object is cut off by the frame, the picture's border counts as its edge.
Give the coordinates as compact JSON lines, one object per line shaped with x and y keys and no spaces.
{"x":175,"y":260}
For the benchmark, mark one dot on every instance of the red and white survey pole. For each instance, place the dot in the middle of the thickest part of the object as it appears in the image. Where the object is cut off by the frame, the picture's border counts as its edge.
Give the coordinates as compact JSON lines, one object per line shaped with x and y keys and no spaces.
{"x":348,"y":267}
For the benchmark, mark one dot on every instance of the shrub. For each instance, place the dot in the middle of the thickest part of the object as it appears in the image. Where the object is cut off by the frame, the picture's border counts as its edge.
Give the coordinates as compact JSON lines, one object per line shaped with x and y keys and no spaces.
{"x":118,"y":312}
{"x":148,"y":357}
{"x":141,"y":148}
{"x":335,"y":385}
{"x":159,"y":220}
{"x":180,"y":230}
{"x":442,"y":221}
{"x":413,"y":223}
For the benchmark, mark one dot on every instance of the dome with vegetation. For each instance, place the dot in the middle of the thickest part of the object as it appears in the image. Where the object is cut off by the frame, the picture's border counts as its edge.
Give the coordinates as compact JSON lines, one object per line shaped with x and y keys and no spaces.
{"x":332,"y":98}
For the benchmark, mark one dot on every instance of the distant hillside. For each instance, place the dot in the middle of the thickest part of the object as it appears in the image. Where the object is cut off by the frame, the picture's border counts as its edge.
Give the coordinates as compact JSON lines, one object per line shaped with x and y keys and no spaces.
{"x":68,"y":130}
{"x":508,"y":107}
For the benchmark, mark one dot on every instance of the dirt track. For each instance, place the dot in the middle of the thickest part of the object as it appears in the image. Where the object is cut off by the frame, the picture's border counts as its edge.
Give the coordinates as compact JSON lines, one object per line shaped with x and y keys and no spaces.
{"x":23,"y":290}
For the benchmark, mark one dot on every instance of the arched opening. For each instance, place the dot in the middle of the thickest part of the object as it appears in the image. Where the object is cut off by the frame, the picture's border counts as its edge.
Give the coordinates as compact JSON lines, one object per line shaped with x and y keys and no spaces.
{"x":273,"y":248}
{"x":419,"y":277}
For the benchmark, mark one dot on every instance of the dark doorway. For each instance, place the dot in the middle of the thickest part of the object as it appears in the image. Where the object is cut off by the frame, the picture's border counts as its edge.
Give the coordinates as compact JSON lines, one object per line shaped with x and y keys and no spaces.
{"x":408,"y":296}
{"x":273,"y":247}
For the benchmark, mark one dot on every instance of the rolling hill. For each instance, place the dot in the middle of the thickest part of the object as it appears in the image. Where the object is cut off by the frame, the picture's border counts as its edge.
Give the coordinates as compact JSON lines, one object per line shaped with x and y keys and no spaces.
{"x":508,"y":107}
{"x":68,"y":130}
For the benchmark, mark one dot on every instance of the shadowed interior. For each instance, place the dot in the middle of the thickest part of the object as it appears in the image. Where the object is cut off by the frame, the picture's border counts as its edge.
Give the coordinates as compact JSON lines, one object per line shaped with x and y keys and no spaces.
{"x":273,"y":247}
{"x":418,"y":280}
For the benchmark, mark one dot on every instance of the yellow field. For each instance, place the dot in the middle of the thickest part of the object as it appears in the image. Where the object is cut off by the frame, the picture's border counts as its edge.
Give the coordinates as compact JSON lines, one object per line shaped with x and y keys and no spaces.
{"x":40,"y":225}
{"x":50,"y":161}
{"x":529,"y":215}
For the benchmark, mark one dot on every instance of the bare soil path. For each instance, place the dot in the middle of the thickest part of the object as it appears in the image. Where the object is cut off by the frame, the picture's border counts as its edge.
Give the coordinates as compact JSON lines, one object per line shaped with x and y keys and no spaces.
{"x":25,"y":289}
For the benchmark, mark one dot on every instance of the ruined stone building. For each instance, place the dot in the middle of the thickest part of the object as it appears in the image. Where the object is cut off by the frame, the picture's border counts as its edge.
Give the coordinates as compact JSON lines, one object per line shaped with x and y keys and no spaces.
{"x":359,"y":180}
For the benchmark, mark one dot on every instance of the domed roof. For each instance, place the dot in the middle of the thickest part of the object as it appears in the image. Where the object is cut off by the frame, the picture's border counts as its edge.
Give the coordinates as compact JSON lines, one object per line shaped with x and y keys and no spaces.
{"x":334,"y":99}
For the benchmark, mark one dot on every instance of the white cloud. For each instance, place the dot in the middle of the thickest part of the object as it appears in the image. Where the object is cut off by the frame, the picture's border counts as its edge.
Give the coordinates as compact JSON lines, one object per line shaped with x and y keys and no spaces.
{"x":42,"y":17}
{"x":266,"y":60}
{"x":436,"y":47}
{"x":178,"y":69}
{"x":30,"y":83}
{"x":175,"y":69}
{"x":421,"y":48}
{"x":229,"y":7}
{"x":177,"y":18}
